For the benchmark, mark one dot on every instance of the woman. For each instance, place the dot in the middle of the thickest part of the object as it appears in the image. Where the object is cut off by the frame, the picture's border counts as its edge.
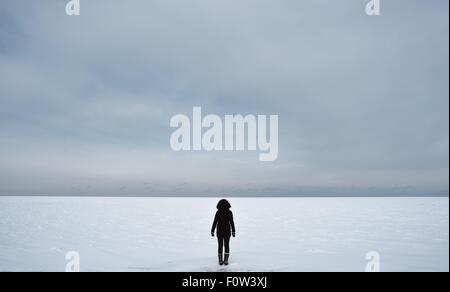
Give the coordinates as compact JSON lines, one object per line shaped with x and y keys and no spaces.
{"x":225,"y":228}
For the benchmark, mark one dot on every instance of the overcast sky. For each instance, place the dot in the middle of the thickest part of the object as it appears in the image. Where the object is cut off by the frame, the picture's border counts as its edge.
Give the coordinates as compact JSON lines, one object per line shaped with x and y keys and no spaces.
{"x":85,"y":102}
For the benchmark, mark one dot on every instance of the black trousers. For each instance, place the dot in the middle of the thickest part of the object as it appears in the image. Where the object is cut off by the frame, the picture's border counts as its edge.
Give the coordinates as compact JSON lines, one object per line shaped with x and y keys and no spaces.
{"x":224,"y":241}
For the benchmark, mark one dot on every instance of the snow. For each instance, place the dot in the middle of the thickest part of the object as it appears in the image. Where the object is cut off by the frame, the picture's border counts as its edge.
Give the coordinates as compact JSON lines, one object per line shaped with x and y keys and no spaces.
{"x":274,"y":234}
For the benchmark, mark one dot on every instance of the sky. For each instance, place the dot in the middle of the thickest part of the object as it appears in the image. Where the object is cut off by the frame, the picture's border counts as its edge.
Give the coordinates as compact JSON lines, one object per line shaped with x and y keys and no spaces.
{"x":86,"y":101}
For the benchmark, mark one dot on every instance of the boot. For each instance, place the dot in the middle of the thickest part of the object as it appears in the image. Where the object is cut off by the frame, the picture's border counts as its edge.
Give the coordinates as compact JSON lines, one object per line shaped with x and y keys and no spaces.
{"x":227,"y":256}
{"x":220,"y":260}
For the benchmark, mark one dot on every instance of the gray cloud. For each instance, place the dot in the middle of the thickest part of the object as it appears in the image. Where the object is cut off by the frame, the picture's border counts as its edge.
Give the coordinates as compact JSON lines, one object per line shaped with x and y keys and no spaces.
{"x":86,"y":101}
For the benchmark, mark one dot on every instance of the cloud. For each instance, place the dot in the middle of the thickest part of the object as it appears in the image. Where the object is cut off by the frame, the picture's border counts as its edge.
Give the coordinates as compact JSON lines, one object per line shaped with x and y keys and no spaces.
{"x":363,"y":101}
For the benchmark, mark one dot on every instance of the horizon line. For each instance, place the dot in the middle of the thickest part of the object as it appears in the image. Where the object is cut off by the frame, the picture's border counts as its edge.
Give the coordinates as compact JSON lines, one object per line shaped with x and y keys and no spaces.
{"x":235,"y":196}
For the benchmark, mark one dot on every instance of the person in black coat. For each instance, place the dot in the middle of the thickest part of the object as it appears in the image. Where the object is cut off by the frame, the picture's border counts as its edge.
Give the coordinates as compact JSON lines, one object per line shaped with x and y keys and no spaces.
{"x":224,"y":223}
